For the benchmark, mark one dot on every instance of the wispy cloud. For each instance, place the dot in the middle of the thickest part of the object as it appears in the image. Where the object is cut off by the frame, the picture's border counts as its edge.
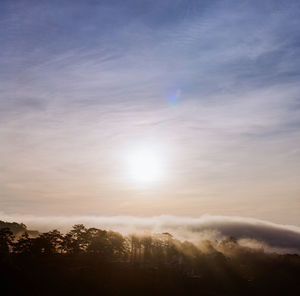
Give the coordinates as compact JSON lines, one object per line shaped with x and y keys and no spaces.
{"x":81,"y":82}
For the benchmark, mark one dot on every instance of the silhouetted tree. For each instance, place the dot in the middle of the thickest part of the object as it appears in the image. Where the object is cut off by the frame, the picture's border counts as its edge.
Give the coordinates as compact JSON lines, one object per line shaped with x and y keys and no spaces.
{"x":146,"y":242}
{"x":135,"y":248}
{"x":47,"y":243}
{"x":6,"y":241}
{"x":23,"y":245}
{"x":99,"y":243}
{"x":107,"y":244}
{"x":117,"y":244}
{"x":76,"y":240}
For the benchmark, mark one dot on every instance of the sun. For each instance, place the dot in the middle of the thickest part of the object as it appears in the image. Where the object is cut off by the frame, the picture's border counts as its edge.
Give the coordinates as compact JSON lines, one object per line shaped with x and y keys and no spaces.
{"x":145,"y":166}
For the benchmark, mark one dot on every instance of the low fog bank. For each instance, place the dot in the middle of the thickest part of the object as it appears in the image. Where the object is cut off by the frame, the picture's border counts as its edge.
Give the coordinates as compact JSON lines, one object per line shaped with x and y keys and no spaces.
{"x":248,"y":231}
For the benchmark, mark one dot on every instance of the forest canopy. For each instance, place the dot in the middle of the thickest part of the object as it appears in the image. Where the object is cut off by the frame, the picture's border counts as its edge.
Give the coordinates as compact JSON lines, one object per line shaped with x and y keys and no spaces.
{"x":94,"y":260}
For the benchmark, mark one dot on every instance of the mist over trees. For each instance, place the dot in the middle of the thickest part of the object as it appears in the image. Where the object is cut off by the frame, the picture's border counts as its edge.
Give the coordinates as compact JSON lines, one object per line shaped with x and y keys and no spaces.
{"x":91,"y":261}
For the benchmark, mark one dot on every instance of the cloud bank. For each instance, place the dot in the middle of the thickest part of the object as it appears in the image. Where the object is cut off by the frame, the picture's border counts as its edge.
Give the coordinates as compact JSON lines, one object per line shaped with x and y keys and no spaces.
{"x":249,"y":232}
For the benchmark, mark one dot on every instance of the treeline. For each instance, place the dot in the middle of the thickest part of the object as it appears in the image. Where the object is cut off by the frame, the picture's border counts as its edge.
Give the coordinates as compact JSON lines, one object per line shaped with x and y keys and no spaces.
{"x":17,"y":228}
{"x":91,"y":261}
{"x":107,"y":245}
{"x":111,"y":246}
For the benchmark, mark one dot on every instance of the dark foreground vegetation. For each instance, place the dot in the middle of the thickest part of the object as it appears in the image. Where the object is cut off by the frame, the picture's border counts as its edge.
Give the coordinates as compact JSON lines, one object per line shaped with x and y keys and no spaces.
{"x":90,"y":261}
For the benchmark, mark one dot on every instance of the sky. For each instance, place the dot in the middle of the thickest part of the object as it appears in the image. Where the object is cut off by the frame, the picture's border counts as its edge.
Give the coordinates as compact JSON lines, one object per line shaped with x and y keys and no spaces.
{"x":211,"y":89}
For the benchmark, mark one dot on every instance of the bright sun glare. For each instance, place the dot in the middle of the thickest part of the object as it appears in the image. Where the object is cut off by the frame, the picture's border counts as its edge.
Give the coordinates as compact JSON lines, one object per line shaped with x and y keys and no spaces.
{"x":145,"y":166}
